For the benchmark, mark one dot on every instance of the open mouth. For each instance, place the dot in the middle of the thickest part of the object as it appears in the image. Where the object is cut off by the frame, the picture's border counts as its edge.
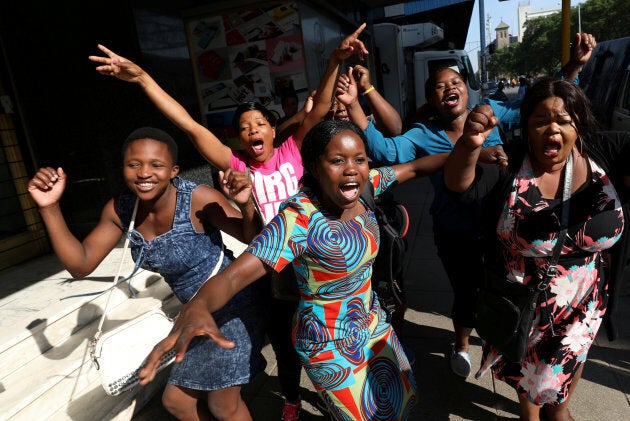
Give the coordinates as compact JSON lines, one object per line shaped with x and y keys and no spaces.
{"x":552,"y":148}
{"x":451,"y":100}
{"x":258,"y":146}
{"x":350,"y":191}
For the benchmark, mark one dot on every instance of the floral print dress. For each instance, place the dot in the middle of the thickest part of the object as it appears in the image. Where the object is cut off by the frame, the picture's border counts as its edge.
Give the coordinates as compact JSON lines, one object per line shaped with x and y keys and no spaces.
{"x":349,"y":352}
{"x":570,"y":313}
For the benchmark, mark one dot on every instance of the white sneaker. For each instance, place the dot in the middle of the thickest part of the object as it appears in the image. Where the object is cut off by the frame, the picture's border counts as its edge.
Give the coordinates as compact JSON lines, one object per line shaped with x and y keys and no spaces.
{"x":460,"y":363}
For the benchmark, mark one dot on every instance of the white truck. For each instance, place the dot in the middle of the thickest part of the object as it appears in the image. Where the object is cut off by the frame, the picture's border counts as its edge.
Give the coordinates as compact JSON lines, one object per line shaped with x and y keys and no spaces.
{"x":404,"y":63}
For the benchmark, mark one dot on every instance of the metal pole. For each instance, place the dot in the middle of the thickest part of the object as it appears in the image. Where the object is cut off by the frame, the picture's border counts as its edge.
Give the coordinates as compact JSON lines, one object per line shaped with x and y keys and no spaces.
{"x":482,"y":39}
{"x":579,"y":19}
{"x":566,"y":31}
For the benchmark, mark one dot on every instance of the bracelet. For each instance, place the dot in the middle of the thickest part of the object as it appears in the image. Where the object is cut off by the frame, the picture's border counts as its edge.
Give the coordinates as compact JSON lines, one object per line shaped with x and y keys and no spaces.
{"x":368,"y":90}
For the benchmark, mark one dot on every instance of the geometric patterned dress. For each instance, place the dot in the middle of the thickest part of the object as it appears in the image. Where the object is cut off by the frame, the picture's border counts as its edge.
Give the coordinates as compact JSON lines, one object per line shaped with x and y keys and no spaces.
{"x":349,"y":352}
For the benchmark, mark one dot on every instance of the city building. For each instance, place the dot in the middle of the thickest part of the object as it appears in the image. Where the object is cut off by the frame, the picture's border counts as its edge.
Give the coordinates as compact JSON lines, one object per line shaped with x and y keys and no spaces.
{"x":525,"y":13}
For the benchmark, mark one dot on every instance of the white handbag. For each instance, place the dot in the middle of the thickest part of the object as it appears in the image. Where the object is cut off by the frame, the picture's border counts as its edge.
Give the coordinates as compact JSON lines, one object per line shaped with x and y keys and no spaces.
{"x":120,"y":353}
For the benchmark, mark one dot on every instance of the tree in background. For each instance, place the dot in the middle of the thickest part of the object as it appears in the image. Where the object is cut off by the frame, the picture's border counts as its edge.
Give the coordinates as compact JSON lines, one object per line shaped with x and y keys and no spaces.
{"x":539,"y":53}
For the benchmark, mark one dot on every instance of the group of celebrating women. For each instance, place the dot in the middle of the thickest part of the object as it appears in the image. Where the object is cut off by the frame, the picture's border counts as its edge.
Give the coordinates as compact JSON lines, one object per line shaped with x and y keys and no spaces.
{"x":299,"y":207}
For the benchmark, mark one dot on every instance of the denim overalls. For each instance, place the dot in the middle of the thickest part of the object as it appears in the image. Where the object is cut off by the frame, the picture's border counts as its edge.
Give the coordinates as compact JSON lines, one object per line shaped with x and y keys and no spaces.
{"x":185,"y":258}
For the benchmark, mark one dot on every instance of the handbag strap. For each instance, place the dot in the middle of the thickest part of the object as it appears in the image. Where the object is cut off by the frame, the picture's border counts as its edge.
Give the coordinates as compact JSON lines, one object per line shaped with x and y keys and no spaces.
{"x":552,"y":268}
{"x":132,"y":224}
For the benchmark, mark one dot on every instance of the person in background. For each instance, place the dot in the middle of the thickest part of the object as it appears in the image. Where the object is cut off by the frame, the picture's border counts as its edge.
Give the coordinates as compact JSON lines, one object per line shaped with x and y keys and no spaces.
{"x":275,"y":171}
{"x":289,"y":101}
{"x":522,"y":88}
{"x":385,"y":117}
{"x":289,"y":126}
{"x":177,"y":234}
{"x":350,"y":353}
{"x":499,"y":95}
{"x":521,"y":224}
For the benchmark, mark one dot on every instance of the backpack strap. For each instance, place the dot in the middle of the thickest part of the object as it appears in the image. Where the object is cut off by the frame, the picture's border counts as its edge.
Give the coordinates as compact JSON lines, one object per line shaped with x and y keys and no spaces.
{"x":367,"y":194}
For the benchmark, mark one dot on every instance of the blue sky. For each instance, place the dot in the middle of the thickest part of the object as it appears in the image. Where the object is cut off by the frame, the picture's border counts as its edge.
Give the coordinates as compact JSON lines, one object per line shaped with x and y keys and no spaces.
{"x":506,"y":11}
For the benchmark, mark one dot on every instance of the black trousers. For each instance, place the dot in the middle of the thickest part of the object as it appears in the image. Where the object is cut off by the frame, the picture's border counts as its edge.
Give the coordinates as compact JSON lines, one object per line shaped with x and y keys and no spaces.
{"x":461,"y":256}
{"x":279,"y":323}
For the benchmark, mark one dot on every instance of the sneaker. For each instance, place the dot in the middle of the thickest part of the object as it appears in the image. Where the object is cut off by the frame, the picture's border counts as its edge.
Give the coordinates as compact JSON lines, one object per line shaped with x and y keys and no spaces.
{"x":291,"y":411}
{"x":460,"y":363}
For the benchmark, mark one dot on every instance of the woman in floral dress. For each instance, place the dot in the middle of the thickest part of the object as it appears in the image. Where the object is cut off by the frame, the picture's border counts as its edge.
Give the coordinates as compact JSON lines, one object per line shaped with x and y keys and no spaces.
{"x":523,"y":204}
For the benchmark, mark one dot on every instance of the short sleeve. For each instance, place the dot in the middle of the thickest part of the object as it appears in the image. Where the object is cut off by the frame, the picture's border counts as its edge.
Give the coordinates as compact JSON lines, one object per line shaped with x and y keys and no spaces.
{"x":283,"y":238}
{"x":238,"y":161}
{"x":382,"y":179}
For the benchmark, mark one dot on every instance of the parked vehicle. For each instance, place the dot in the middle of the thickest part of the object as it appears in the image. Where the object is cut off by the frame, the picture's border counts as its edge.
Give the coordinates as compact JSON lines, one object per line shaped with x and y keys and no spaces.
{"x":604,"y":79}
{"x":402,"y":80}
{"x":621,"y":113}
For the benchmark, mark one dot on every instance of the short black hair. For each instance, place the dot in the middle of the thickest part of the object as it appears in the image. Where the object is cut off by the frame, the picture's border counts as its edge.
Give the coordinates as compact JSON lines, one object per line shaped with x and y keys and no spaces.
{"x":155,"y":134}
{"x":432,"y":79}
{"x":252,"y":106}
{"x":318,"y":138}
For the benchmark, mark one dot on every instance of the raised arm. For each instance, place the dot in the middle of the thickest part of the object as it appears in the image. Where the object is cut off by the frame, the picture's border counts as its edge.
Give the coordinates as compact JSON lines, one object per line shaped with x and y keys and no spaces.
{"x":286,"y":129}
{"x":387,"y":119}
{"x":347,"y":93}
{"x":421,"y":167}
{"x":323,"y":99}
{"x":459,"y":169}
{"x":195,"y":317}
{"x":79,"y":258}
{"x":581,"y":49}
{"x":204,"y":140}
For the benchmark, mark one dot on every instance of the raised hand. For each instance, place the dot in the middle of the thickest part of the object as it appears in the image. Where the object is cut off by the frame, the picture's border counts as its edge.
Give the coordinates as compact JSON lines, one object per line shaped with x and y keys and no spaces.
{"x":236,"y":185}
{"x":351,"y":44}
{"x":582,"y":47}
{"x":117,"y":66}
{"x":308,"y":104}
{"x":362,"y":76}
{"x":478,"y":126}
{"x":47,"y":186}
{"x":346,"y":90}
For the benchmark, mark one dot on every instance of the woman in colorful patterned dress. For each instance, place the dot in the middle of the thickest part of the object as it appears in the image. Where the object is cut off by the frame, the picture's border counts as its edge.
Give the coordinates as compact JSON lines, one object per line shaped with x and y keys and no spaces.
{"x":523,"y":202}
{"x":350,"y":353}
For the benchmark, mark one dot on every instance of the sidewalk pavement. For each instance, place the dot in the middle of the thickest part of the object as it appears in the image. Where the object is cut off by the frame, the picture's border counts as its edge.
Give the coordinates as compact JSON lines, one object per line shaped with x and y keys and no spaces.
{"x":602,"y":394}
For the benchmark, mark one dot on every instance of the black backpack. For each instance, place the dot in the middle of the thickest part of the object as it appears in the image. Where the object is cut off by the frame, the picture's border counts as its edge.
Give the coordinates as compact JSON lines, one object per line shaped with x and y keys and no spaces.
{"x":388,"y":268}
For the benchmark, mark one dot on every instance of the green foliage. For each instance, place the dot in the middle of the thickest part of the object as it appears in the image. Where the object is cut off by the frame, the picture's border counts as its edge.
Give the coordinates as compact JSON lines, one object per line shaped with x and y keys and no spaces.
{"x":540,"y":51}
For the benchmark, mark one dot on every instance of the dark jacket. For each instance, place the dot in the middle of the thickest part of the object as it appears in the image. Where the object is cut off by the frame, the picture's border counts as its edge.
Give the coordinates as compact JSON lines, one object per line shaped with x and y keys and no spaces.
{"x":611,"y":150}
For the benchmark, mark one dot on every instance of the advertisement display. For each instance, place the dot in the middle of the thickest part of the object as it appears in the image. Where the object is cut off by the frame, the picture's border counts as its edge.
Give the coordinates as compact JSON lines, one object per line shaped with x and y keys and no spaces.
{"x":246,"y":55}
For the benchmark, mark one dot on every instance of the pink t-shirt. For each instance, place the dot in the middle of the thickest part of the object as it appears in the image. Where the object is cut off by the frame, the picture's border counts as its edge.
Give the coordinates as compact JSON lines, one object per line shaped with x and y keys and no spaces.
{"x":274,"y":180}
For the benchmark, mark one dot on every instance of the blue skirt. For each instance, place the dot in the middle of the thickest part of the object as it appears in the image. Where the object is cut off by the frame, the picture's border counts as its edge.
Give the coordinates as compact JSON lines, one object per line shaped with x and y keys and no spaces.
{"x":207,"y":366}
